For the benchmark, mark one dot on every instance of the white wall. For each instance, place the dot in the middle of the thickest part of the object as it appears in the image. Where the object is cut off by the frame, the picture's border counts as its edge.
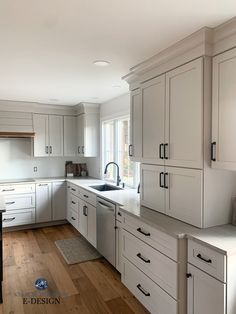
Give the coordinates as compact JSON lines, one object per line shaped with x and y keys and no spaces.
{"x":16,"y":161}
{"x":114,"y":108}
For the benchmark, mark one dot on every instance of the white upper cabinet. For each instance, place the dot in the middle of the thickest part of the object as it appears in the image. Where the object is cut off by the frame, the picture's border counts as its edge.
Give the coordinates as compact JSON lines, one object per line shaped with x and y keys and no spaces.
{"x":135,"y":147}
{"x":48,"y":139}
{"x":224,"y":111}
{"x":41,"y":140}
{"x":153,"y":103}
{"x":70,"y":136}
{"x":55,"y":135}
{"x":88,"y":134}
{"x":184,"y":116}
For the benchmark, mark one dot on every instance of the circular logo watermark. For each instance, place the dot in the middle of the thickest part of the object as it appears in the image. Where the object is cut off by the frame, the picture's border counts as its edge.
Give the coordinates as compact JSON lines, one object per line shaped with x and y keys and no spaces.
{"x":41,"y":284}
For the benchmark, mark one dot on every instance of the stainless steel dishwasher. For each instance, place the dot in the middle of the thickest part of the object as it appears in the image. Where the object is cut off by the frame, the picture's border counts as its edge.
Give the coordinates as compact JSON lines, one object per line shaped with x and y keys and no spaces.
{"x":106,"y":233}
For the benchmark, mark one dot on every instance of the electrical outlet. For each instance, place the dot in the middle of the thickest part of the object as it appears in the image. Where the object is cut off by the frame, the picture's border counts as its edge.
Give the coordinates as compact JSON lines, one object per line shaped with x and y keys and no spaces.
{"x":35,"y":169}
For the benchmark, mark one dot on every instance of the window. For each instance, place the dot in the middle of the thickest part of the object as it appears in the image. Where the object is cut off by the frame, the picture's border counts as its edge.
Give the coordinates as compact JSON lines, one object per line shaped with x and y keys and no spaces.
{"x":115,"y":146}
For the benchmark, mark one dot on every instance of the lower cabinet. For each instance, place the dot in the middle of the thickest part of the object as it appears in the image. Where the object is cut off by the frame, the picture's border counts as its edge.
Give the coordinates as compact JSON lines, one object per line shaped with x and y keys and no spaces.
{"x":58,"y":200}
{"x":88,"y":222}
{"x":83,"y":218}
{"x":43,"y":202}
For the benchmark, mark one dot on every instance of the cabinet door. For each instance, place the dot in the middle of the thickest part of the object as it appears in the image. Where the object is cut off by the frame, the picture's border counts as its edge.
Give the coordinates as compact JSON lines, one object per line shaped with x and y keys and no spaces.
{"x":92,"y":225}
{"x":153,"y":103}
{"x":56,"y":135}
{"x":43,"y":202}
{"x":118,"y":245}
{"x":80,"y":134}
{"x":83,"y":218}
{"x":152,"y":187}
{"x":58,"y":200}
{"x":70,"y":136}
{"x":184,"y":195}
{"x":41,"y":144}
{"x":184,"y":115}
{"x":224,"y":110}
{"x":135,"y":148}
{"x":205,"y":293}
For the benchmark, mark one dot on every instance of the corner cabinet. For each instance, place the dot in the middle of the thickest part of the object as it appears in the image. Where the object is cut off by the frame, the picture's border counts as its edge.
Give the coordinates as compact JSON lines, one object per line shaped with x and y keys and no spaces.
{"x":224,"y":111}
{"x":48,"y":139}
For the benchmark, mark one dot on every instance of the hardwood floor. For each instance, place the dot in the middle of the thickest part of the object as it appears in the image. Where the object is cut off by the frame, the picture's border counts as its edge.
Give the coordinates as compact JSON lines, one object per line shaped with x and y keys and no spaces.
{"x":86,"y":288}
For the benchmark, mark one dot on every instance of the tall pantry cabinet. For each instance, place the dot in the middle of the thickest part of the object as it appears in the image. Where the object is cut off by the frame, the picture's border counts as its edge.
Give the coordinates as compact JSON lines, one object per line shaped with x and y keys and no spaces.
{"x":171,"y":136}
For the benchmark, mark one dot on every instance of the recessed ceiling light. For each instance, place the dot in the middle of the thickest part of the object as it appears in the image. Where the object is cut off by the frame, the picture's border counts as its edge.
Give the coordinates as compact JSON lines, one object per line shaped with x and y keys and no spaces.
{"x":101,"y":63}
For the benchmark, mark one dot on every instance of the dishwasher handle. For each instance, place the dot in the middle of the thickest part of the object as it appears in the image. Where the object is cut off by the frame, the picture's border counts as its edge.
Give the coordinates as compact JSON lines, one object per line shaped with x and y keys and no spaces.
{"x":106,"y":207}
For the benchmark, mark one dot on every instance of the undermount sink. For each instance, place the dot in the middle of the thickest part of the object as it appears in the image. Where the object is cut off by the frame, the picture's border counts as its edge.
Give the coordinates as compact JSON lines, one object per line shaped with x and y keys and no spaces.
{"x":105,"y":187}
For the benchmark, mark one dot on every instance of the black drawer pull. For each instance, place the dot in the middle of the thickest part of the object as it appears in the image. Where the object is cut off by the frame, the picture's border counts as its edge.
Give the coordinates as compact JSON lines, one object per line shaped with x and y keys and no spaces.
{"x":165,"y":180}
{"x":130,"y":150}
{"x":10,"y":203}
{"x":73,"y":189}
{"x":139,"y":255}
{"x":188,"y":275}
{"x":8,"y":190}
{"x":147,"y":234}
{"x":165,"y":154}
{"x":73,"y":202}
{"x":147,"y":294}
{"x":86,"y":196}
{"x":8,"y":219}
{"x":209,"y":261}
{"x":160,"y":151}
{"x":119,"y":214}
{"x":73,"y":218}
{"x":213,"y":144}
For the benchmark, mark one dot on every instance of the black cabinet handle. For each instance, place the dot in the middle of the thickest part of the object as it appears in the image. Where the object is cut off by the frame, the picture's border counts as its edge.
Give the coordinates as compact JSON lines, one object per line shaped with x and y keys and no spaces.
{"x":8,"y":190}
{"x":130,"y":150}
{"x":147,"y":234}
{"x":188,"y":275}
{"x":10,"y":203}
{"x":119,"y":214}
{"x":73,"y":202}
{"x":50,"y":149}
{"x":160,"y":151}
{"x":209,"y":261}
{"x":139,"y":255}
{"x":213,"y":145}
{"x":147,"y":294}
{"x":73,"y":218}
{"x":160,"y":180}
{"x":86,"y":196}
{"x":165,"y":180}
{"x":73,"y":189}
{"x":85,"y":210}
{"x":165,"y":154}
{"x":9,"y":219}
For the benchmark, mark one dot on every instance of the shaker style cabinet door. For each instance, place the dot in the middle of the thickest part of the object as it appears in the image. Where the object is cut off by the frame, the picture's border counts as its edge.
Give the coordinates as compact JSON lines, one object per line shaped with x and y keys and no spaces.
{"x":184,"y":115}
{"x":184,"y":196}
{"x":224,"y":111}
{"x":205,"y":294}
{"x":135,"y":147}
{"x":41,"y":145}
{"x":152,"y":187}
{"x":80,"y":134}
{"x":92,"y":225}
{"x":83,"y":218}
{"x":43,"y":202}
{"x":55,"y":135}
{"x":70,"y":136}
{"x":153,"y":104}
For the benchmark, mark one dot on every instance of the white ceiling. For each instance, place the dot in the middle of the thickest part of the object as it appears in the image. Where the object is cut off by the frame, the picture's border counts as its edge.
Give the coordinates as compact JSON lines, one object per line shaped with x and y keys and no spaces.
{"x":47,"y":47}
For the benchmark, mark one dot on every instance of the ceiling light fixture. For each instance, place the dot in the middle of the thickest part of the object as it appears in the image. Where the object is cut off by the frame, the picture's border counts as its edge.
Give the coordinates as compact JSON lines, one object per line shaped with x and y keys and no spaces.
{"x":101,"y":63}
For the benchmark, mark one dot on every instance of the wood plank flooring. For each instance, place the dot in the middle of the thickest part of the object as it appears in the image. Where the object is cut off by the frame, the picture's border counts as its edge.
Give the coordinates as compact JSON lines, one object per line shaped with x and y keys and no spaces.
{"x":88,"y":288}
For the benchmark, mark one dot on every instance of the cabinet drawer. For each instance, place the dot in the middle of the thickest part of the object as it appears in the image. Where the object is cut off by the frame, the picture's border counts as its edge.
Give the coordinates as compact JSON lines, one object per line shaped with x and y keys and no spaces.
{"x":19,"y":217}
{"x":146,"y":291}
{"x":19,"y":201}
{"x":88,"y":197}
{"x":73,"y":218}
{"x":157,"y":239}
{"x":155,"y":265}
{"x":17,"y":188}
{"x":207,"y":259}
{"x":74,"y":202}
{"x":74,"y":189}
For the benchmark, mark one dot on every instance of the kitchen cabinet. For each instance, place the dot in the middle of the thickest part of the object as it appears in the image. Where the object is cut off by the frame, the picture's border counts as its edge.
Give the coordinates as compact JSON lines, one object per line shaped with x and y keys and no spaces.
{"x":177,"y":192}
{"x":87,"y":136}
{"x":58,"y":200}
{"x":224,"y":111}
{"x":70,"y":136}
{"x":184,"y":116}
{"x":48,"y":139}
{"x":205,"y":293}
{"x":43,"y":202}
{"x":118,"y":245}
{"x":135,"y":147}
{"x":153,"y":103}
